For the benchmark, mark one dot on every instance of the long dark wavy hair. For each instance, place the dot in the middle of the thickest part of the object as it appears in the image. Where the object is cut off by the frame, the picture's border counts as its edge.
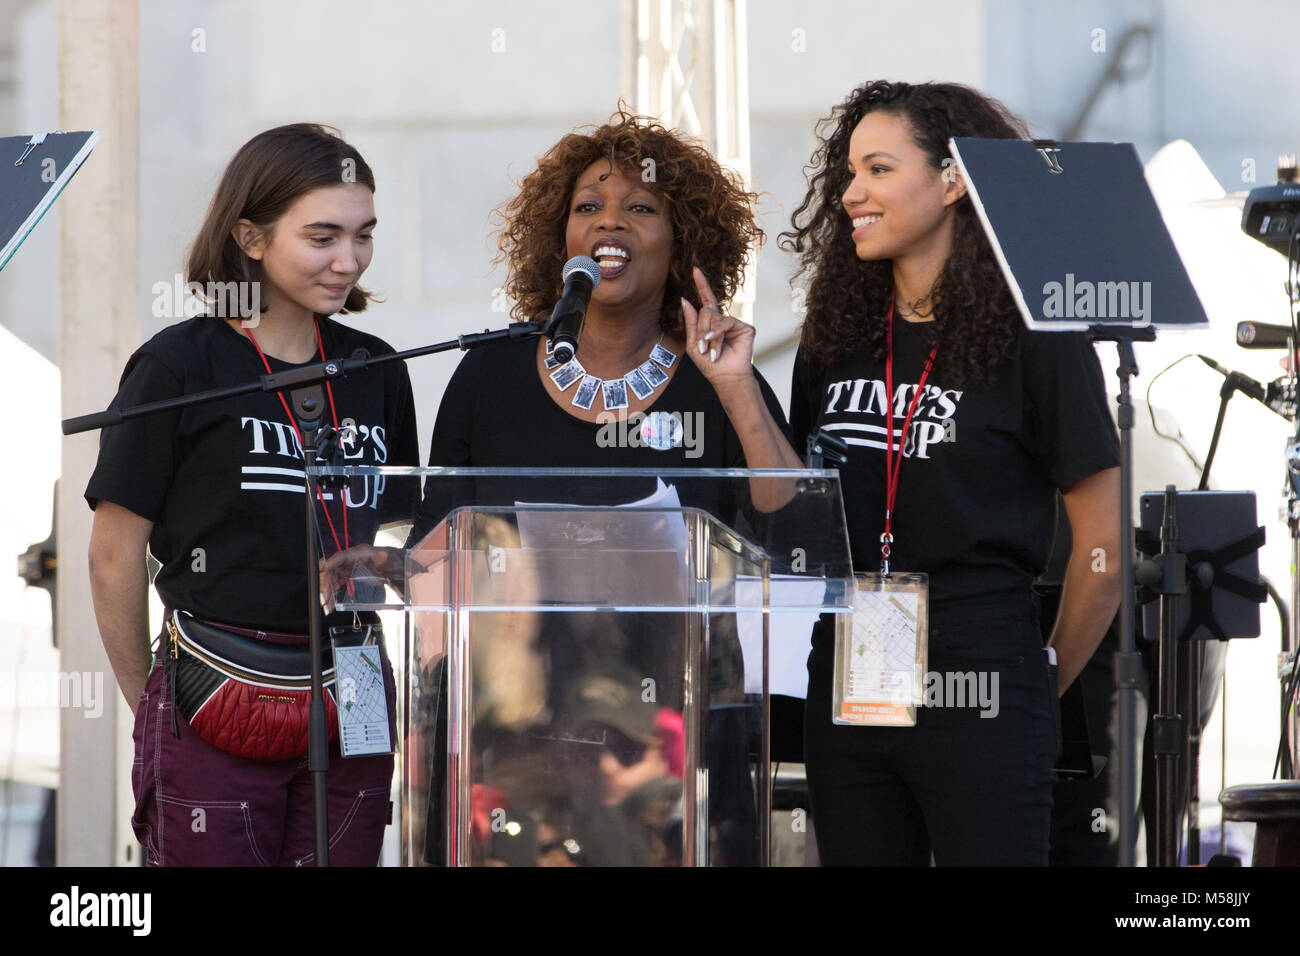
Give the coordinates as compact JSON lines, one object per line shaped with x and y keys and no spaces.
{"x":711,"y":212}
{"x":975,"y":321}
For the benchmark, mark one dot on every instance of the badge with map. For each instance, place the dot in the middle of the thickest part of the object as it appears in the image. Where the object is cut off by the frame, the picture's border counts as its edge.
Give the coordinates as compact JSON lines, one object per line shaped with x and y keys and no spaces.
{"x":880,"y":652}
{"x":362,"y":701}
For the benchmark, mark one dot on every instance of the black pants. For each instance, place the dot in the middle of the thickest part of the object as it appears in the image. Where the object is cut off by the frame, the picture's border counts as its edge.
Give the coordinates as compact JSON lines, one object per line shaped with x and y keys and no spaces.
{"x":972,"y":790}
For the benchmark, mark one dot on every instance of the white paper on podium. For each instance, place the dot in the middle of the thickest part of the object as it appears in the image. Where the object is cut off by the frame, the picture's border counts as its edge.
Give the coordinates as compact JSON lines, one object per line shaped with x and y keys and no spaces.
{"x":552,"y":527}
{"x":790,"y":640}
{"x":539,"y":526}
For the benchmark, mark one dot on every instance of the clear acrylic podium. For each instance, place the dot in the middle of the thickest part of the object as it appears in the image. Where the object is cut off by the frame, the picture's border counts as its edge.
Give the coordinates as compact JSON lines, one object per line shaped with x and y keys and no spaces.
{"x":585,"y":671}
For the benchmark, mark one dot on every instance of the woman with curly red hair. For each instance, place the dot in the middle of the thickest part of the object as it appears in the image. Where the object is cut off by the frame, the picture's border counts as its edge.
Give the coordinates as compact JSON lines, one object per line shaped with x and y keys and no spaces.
{"x":667,"y":225}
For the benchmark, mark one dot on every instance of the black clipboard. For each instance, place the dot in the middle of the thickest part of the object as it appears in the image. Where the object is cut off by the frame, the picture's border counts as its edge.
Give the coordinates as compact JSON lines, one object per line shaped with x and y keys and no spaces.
{"x":1073,"y":223}
{"x":33,"y":171}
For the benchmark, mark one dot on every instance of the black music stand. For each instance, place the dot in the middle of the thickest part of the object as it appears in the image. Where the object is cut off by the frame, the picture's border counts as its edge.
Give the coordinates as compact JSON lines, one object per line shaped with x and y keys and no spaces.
{"x":1083,"y":247}
{"x":34,"y":170}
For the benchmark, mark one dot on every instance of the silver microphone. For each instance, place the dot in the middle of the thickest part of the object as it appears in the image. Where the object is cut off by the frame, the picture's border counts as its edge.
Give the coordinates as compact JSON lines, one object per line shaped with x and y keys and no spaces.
{"x":581,"y":275}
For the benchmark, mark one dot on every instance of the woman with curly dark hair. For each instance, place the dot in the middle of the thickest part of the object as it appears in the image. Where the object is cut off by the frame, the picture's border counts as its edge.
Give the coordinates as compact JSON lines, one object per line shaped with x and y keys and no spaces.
{"x":667,"y":225}
{"x":961,"y":428}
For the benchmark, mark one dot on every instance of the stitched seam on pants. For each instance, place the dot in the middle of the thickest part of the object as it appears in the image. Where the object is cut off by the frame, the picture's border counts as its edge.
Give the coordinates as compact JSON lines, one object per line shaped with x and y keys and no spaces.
{"x":204,"y":804}
{"x":356,"y":806}
{"x":252,"y":836}
{"x":148,"y":842}
{"x":347,"y":821}
{"x":137,"y":763}
{"x":160,"y":834}
{"x":241,"y":805}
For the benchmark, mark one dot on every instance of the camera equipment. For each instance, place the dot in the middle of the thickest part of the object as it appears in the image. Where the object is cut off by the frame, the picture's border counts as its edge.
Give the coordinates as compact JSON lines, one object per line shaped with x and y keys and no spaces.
{"x":1271,"y":214}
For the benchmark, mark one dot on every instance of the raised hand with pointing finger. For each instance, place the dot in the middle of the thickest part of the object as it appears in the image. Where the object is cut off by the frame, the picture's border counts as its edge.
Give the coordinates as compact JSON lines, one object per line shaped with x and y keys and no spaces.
{"x":721,"y":345}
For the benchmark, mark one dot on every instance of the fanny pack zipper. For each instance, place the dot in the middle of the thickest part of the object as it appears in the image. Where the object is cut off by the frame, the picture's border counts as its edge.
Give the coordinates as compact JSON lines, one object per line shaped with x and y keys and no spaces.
{"x":180,"y":639}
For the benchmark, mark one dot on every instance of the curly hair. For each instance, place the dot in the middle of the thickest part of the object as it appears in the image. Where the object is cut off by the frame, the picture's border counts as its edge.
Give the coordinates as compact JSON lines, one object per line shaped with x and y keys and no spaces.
{"x":975,"y":320}
{"x":711,"y":214}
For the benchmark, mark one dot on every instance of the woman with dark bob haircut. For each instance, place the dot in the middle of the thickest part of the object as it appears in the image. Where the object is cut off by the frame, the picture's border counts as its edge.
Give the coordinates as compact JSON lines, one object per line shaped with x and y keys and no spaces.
{"x":213,"y":492}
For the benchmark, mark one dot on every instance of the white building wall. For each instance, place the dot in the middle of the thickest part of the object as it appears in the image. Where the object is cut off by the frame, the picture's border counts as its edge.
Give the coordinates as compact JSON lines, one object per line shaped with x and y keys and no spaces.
{"x":451,"y":103}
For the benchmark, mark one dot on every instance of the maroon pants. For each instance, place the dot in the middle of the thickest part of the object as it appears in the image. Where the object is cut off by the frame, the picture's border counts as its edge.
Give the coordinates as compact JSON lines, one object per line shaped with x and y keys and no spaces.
{"x":196,"y":805}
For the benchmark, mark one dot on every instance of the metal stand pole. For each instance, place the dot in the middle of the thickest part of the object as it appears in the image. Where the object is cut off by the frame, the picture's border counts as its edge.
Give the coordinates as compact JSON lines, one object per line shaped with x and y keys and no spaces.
{"x":1128,"y":663}
{"x":1167,"y":724}
{"x":309,"y":408}
{"x":1195,"y":661}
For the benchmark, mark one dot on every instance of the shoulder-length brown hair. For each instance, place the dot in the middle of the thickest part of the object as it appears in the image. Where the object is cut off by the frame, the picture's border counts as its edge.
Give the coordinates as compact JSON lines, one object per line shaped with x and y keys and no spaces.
{"x":267,"y":176}
{"x":975,"y":320}
{"x":711,"y":213}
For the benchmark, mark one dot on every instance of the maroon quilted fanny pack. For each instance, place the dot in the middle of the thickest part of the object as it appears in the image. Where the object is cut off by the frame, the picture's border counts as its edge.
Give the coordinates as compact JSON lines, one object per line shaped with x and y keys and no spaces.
{"x":246,"y":696}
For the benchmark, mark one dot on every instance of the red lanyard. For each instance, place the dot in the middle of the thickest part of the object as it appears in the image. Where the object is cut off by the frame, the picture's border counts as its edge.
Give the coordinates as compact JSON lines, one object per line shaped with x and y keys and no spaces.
{"x":894,"y":468}
{"x":294,"y":423}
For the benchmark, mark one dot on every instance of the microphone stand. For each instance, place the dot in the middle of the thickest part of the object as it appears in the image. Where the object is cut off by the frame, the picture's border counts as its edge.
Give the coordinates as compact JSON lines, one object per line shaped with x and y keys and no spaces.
{"x":295,"y":377}
{"x":1233,"y":382}
{"x":1169,"y":574}
{"x":308,"y":404}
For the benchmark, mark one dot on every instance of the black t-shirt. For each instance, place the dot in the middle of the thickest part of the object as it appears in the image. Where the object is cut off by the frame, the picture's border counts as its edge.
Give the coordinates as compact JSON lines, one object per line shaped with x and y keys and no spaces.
{"x":497,"y":413}
{"x":977,"y":493}
{"x":223,"y":482}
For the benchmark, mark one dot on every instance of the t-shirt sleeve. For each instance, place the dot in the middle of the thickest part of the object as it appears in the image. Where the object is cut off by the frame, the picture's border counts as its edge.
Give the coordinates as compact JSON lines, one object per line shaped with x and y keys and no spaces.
{"x":737,"y":503}
{"x":1074,"y":433}
{"x":450,"y":447}
{"x":454,"y":426}
{"x":404,"y":450}
{"x":138,"y":457}
{"x":736,"y":453}
{"x":802,"y":414}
